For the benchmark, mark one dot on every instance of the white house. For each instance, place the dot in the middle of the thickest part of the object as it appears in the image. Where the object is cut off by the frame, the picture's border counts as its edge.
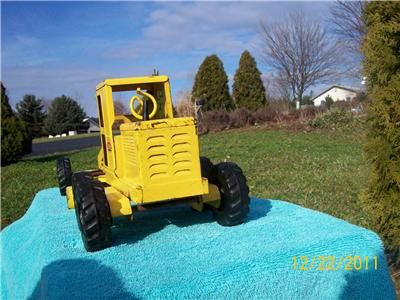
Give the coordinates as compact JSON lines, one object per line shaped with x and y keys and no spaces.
{"x":338,"y":93}
{"x":93,"y":124}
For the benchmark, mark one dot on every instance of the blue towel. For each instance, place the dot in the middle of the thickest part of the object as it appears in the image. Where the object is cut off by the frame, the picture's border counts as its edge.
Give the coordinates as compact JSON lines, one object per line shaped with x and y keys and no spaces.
{"x":176,"y":253}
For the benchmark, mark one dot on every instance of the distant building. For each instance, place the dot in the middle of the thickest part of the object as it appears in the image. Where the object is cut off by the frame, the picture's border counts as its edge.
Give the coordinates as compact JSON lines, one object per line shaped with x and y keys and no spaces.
{"x":93,"y":124}
{"x":337,"y":93}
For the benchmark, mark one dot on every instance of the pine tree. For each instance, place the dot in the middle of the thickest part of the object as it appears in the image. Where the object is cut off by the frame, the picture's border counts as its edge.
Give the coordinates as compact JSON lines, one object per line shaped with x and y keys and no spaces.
{"x":64,"y":114}
{"x":211,"y":85}
{"x":381,"y":199}
{"x":15,"y":140}
{"x":32,"y":113}
{"x":248,"y":88}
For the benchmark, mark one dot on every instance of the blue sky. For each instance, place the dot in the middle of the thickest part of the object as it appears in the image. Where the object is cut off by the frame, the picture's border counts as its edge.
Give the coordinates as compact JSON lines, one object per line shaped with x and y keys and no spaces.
{"x":54,"y":48}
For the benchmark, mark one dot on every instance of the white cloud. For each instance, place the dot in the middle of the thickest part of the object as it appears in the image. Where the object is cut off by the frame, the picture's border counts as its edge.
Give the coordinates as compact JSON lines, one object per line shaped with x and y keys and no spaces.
{"x":175,"y":37}
{"x":202,"y":28}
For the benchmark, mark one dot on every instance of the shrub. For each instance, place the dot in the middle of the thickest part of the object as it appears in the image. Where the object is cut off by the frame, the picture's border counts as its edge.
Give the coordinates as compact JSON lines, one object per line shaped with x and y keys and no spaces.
{"x":15,"y":139}
{"x":361,"y":97}
{"x":310,"y":112}
{"x":361,"y":101}
{"x":241,"y":117}
{"x":274,"y":112}
{"x":292,"y":115}
{"x":307,"y":100}
{"x":184,"y":108}
{"x":213,"y":121}
{"x":328,"y":102}
{"x":342,"y":105}
{"x":334,"y":119}
{"x":381,"y":199}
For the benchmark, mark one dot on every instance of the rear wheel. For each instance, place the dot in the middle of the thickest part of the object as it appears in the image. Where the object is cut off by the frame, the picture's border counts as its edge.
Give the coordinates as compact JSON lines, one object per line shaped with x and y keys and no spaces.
{"x":92,"y":212}
{"x":234,"y":191}
{"x":64,"y":174}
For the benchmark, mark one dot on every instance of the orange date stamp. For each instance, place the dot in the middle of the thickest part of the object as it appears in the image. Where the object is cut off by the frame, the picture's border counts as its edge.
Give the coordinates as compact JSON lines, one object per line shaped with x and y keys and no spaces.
{"x":335,"y":263}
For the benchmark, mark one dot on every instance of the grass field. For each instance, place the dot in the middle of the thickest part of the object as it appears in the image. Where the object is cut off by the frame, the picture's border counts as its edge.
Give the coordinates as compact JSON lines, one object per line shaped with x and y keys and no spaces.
{"x":320,"y":170}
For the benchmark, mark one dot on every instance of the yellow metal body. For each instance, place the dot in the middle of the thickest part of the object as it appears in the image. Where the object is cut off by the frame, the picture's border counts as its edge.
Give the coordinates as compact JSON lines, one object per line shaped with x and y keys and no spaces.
{"x":158,"y":160}
{"x":119,"y":204}
{"x":70,"y":197}
{"x":148,"y":161}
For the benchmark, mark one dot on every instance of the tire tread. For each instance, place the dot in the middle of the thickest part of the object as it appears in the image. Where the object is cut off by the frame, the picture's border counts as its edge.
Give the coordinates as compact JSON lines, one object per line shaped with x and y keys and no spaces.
{"x":93,"y":212}
{"x":235,"y":196}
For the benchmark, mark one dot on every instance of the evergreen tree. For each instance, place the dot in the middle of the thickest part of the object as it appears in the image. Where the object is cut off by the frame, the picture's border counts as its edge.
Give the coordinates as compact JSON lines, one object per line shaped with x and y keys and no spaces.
{"x":248,"y":88}
{"x":64,"y":114}
{"x":381,"y":199}
{"x":31,"y":112}
{"x":328,"y":102}
{"x":211,"y":85}
{"x":15,"y":140}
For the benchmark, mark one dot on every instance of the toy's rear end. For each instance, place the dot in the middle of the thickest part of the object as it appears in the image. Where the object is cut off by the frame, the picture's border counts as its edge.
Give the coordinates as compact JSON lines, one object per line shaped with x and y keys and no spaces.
{"x":149,"y":160}
{"x":162,"y":157}
{"x":147,"y":157}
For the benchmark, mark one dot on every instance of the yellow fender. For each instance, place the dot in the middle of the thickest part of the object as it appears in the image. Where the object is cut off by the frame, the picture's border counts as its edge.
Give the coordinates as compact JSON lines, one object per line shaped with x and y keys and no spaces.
{"x":119,"y":204}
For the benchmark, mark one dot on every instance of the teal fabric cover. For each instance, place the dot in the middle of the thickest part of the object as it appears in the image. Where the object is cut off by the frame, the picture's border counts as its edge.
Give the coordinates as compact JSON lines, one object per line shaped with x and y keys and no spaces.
{"x":177,"y":253}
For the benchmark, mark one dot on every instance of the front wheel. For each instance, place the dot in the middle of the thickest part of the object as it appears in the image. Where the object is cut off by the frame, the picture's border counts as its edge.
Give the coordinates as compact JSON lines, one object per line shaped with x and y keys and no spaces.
{"x":92,"y":211}
{"x":234,"y":191}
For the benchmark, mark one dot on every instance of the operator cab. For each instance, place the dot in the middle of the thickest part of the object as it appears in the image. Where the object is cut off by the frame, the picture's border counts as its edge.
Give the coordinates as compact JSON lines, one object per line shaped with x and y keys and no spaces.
{"x":148,"y":99}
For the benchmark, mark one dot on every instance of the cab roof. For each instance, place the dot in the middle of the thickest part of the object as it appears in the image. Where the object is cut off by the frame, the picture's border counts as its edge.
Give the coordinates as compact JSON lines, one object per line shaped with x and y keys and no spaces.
{"x":132,"y":80}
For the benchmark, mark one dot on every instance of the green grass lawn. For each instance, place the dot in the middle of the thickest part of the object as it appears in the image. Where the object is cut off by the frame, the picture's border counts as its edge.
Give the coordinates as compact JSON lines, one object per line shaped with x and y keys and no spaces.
{"x":320,"y":170}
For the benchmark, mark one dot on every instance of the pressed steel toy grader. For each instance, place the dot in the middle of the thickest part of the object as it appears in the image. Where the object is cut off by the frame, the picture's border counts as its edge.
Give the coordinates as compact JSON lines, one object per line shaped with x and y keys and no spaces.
{"x":147,"y":157}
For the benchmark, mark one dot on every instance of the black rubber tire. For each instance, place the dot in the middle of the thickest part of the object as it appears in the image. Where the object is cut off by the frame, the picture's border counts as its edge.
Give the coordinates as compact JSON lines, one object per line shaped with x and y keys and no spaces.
{"x":92,"y":212}
{"x":64,"y":174}
{"x":234,"y":191}
{"x":207,"y":168}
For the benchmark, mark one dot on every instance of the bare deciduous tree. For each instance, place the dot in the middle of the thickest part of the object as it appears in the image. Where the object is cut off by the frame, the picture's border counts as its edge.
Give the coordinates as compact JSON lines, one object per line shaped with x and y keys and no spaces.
{"x":184,"y":106}
{"x":277,"y":87}
{"x":282,"y":86}
{"x":120,"y":108}
{"x":300,"y":52}
{"x":348,"y":22}
{"x":349,"y":26}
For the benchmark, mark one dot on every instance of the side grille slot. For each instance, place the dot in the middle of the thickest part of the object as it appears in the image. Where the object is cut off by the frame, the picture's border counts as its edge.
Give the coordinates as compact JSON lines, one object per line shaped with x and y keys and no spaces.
{"x":181,"y":154}
{"x":169,"y":156}
{"x":129,"y":145}
{"x":156,"y":153}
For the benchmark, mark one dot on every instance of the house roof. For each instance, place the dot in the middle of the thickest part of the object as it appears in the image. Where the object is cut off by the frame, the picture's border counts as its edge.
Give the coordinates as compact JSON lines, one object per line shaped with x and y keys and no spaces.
{"x":94,"y":121}
{"x":335,"y":86}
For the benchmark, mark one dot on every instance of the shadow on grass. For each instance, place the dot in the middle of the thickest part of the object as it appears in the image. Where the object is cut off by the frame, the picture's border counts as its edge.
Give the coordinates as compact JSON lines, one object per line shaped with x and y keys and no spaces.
{"x":152,"y":221}
{"x":79,"y":279}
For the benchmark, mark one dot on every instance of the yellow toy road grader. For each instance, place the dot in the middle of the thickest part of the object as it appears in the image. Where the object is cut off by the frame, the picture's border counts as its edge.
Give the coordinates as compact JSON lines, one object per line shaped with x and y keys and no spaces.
{"x":147,"y":158}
